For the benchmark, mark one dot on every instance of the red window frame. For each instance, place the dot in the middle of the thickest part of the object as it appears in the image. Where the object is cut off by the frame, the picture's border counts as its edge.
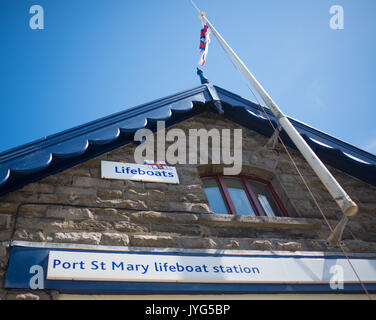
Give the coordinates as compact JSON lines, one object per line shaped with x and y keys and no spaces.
{"x":249,"y":191}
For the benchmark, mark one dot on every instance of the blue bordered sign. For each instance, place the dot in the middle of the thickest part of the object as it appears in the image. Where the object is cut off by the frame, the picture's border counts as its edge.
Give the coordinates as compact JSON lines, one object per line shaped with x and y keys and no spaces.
{"x":151,"y":172}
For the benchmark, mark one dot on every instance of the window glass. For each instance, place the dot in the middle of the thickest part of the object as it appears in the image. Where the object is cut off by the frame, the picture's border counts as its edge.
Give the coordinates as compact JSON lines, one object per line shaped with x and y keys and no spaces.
{"x":214,"y":196}
{"x":265,"y":198}
{"x":239,"y":197}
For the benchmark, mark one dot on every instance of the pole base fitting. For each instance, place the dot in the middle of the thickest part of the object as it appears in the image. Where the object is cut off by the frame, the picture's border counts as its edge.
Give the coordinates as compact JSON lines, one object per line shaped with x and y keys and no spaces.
{"x":351,"y":210}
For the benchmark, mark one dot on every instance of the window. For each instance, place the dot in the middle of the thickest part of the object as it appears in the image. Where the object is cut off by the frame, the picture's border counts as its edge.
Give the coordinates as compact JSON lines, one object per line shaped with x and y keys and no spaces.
{"x":242,"y":195}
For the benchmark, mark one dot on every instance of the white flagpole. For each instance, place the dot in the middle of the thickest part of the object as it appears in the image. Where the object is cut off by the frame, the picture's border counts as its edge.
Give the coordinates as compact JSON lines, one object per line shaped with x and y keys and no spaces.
{"x":348,"y":207}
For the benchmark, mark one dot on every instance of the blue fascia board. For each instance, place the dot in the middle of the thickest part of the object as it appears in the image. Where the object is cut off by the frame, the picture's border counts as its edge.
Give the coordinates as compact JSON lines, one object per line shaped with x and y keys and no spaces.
{"x":23,"y":258}
{"x":36,"y":160}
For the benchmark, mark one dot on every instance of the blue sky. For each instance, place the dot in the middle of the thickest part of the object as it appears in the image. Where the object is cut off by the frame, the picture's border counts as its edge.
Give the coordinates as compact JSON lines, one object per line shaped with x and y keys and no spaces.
{"x":97,"y":57}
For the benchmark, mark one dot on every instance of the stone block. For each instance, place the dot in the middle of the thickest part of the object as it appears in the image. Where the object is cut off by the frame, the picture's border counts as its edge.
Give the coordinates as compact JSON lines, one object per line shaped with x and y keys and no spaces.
{"x":114,"y":239}
{"x":150,"y":217}
{"x":233,"y":244}
{"x":69,"y":213}
{"x":110,"y":214}
{"x":24,"y":296}
{"x":5,"y":234}
{"x":134,"y":194}
{"x":179,"y":218}
{"x":78,"y":237}
{"x":78,"y":191}
{"x":176,"y":229}
{"x":31,"y":210}
{"x":122,"y":203}
{"x":8,"y":207}
{"x":92,"y":225}
{"x":109,"y":194}
{"x":50,"y":198}
{"x":261,"y":245}
{"x":197,"y":243}
{"x":155,"y":186}
{"x":135,"y":204}
{"x":183,"y":207}
{"x":289,"y":246}
{"x":126,"y":226}
{"x":90,"y":182}
{"x":46,"y":225}
{"x":39,"y":188}
{"x":58,"y":179}
{"x":77,"y":171}
{"x":3,"y":251}
{"x":30,"y":235}
{"x":5,"y":221}
{"x":156,"y":195}
{"x":152,"y":241}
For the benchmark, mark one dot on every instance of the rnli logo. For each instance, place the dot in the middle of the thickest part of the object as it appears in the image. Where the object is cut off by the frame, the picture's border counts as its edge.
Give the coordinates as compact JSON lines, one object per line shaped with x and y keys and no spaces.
{"x":158,"y":165}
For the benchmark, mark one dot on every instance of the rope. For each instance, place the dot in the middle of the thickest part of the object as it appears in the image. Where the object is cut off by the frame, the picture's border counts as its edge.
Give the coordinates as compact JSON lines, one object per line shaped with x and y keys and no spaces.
{"x":300,"y":174}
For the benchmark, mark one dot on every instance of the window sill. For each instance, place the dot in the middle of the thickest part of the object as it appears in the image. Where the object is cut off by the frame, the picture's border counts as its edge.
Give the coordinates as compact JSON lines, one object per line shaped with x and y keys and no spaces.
{"x":227,"y":220}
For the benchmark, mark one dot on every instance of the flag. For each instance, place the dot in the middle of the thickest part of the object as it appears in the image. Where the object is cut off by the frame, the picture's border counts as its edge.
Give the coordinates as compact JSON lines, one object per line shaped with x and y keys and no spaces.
{"x":204,"y":43}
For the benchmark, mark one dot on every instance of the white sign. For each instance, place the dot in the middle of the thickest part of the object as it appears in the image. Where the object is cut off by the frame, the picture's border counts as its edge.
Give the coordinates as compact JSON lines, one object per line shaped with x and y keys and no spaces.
{"x":152,"y":172}
{"x":74,"y":265}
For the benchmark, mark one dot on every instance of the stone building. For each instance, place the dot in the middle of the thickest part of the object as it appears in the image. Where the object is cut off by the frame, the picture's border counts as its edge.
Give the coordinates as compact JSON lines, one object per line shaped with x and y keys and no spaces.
{"x":68,"y":232}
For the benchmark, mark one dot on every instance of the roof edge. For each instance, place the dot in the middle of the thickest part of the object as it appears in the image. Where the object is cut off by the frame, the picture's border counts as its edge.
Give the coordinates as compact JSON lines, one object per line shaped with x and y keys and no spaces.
{"x":35,"y":160}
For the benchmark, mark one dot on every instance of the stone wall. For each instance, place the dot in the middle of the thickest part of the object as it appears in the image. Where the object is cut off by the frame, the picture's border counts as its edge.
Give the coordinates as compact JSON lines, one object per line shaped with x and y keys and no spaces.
{"x":77,"y":206}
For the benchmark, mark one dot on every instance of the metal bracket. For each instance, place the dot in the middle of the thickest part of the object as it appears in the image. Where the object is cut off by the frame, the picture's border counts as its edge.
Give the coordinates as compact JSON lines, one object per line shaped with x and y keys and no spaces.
{"x":217,"y":106}
{"x":336,"y":236}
